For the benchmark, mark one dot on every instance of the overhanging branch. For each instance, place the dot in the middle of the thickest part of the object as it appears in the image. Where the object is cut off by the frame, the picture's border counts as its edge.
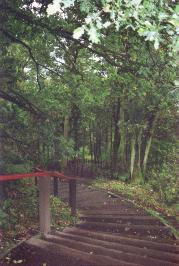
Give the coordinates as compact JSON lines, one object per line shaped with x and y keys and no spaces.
{"x":22,"y":15}
{"x":20,"y":101}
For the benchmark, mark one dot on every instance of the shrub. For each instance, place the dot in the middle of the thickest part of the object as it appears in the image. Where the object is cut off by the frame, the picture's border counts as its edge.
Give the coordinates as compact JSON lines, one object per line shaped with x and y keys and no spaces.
{"x":164,"y":181}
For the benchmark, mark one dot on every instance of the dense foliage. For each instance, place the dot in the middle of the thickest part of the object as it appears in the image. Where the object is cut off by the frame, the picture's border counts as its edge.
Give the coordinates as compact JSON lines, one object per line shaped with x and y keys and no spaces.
{"x":90,"y":79}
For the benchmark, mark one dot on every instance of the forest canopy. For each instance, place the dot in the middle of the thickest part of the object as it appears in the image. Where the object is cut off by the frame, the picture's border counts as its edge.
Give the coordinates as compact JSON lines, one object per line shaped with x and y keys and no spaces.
{"x":90,"y":79}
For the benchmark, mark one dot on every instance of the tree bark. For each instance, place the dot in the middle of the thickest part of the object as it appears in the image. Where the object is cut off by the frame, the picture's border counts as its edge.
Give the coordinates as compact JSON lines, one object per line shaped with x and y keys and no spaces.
{"x":149,"y":142}
{"x":116,"y":141}
{"x":146,"y":154}
{"x":133,"y":152}
{"x":66,"y":136}
{"x":122,"y":148}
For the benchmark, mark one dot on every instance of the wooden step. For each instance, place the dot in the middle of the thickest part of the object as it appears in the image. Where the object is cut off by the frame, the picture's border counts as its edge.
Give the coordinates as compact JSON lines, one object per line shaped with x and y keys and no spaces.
{"x":147,"y":252}
{"x":113,"y":211}
{"x":164,"y":245}
{"x":148,"y":230}
{"x":73,"y":256}
{"x":113,"y":253}
{"x":132,"y":219}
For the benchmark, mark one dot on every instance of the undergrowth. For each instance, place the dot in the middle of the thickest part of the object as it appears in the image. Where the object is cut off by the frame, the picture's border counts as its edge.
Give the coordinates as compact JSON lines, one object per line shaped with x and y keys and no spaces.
{"x":143,"y":195}
{"x":19,"y":215}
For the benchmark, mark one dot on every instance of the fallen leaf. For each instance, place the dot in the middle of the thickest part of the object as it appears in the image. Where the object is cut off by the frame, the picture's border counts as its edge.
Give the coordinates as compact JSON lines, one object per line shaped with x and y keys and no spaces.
{"x":17,"y":261}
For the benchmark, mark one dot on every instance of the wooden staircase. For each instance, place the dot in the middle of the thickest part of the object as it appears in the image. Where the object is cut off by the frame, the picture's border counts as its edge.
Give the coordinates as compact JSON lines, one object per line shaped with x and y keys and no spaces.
{"x":111,"y":231}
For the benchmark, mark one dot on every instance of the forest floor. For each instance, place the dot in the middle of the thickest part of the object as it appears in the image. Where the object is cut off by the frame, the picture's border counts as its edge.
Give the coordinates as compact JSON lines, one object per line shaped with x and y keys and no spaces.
{"x":103,"y":215}
{"x":26,"y":226}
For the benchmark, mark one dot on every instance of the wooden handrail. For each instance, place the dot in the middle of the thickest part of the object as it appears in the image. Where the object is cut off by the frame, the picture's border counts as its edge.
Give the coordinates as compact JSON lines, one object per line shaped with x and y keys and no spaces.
{"x":36,"y":174}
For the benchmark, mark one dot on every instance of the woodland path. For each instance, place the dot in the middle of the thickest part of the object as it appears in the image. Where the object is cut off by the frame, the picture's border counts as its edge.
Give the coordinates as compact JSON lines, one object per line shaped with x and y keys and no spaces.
{"x":111,"y":231}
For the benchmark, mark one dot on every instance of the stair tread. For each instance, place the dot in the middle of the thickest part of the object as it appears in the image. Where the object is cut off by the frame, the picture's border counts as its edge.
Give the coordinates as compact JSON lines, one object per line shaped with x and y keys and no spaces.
{"x":170,"y":246}
{"x":76,"y":255}
{"x":113,"y":211}
{"x":118,"y":216}
{"x":105,"y":224}
{"x":167,"y":256}
{"x":116,"y":254}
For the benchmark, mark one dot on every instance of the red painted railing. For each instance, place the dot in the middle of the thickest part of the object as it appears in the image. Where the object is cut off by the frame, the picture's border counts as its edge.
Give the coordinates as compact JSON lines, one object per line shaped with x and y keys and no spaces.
{"x":35,"y":174}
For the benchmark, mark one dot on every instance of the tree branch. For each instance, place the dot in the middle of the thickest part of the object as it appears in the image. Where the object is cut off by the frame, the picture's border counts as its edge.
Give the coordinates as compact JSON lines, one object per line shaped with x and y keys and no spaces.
{"x":19,"y":100}
{"x":60,"y":32}
{"x":14,"y":39}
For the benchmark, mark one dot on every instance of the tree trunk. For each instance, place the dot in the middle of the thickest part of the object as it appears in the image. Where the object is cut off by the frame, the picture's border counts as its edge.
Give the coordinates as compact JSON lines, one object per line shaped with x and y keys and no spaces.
{"x":149,"y":142}
{"x":146,"y":154}
{"x":66,"y":136}
{"x":137,"y":173}
{"x":98,"y":146}
{"x":91,"y":146}
{"x":66,"y":127}
{"x":122,"y":148}
{"x":133,"y":152}
{"x":116,"y":141}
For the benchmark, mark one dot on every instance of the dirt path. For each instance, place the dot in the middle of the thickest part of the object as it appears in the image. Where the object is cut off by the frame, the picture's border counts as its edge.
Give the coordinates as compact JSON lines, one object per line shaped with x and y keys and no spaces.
{"x":111,"y":231}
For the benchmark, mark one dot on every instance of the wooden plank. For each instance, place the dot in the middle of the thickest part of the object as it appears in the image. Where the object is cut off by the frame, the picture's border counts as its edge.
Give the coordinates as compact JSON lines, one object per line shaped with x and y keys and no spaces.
{"x":44,"y":205}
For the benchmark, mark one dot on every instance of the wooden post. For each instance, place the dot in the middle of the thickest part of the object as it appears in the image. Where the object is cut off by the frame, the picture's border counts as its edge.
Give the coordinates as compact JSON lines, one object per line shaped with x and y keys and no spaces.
{"x":1,"y":190}
{"x":72,"y":196}
{"x":55,"y":186}
{"x":44,"y":205}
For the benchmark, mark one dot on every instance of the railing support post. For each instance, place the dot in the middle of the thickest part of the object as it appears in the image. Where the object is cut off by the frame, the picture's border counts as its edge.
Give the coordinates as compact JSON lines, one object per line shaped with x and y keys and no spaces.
{"x":55,"y":186}
{"x":72,"y":196}
{"x":44,"y":205}
{"x":2,"y":196}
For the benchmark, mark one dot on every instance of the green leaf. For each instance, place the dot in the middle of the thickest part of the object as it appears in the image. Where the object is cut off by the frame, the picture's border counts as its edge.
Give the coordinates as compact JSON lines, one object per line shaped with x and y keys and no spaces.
{"x":68,"y":3}
{"x":107,"y":8}
{"x":156,"y":44}
{"x":177,"y":9}
{"x":136,"y":2}
{"x":162,"y":16}
{"x":106,"y":24}
{"x":141,"y":31}
{"x":147,"y":23}
{"x":78,"y":32}
{"x":99,"y":25}
{"x":88,"y":19}
{"x":150,"y":35}
{"x":93,"y":34}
